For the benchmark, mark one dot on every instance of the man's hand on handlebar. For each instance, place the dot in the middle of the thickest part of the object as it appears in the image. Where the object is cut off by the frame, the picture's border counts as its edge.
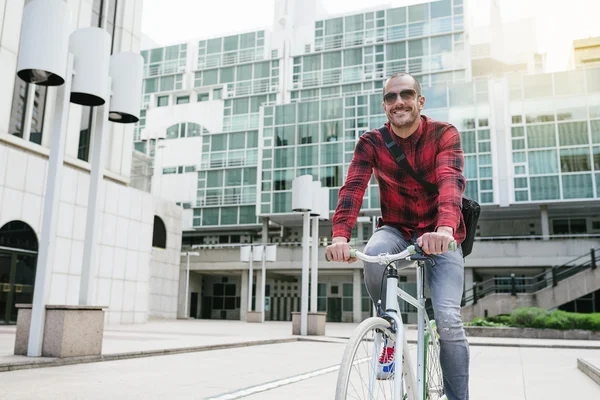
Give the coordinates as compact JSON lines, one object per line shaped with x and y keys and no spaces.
{"x":436,"y":242}
{"x":339,"y":250}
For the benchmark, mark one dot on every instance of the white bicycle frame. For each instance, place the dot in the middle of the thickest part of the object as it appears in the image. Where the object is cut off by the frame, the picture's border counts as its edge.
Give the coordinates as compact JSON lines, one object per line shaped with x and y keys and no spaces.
{"x":392,"y":310}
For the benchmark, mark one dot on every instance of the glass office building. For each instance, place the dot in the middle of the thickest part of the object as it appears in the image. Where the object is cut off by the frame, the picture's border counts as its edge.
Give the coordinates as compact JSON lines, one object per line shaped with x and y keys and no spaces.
{"x":236,"y":118}
{"x":305,"y":118}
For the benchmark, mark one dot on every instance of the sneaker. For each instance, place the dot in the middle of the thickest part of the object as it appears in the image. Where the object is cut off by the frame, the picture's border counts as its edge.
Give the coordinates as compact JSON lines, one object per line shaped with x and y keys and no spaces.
{"x":385,"y":369}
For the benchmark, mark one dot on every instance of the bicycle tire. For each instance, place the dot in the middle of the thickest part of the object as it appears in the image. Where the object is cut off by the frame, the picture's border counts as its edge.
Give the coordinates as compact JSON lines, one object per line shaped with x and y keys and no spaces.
{"x":432,"y":369}
{"x":348,"y":360}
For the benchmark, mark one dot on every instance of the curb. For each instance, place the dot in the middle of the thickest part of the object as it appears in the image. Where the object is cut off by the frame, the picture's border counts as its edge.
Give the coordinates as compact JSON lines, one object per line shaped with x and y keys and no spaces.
{"x":588,"y":369}
{"x":531,"y":333}
{"x":481,"y":344}
{"x":57,"y":362}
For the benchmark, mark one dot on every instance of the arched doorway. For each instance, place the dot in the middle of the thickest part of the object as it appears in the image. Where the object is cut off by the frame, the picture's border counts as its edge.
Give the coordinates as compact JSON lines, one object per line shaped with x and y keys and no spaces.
{"x":18,"y":259}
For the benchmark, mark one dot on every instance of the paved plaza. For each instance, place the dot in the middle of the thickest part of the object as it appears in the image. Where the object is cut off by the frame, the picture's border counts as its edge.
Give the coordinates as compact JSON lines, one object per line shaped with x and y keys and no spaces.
{"x":513,"y":369}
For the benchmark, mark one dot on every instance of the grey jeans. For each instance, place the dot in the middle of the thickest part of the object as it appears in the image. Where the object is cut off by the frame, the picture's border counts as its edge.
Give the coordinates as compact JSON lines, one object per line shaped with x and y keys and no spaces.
{"x":445,"y":280}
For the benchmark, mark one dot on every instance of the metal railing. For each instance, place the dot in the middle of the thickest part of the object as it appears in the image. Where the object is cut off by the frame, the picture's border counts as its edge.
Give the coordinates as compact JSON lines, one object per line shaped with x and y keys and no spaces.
{"x":515,"y":285}
{"x":166,"y":67}
{"x":231,"y":58}
{"x":227,"y":200}
{"x":390,"y":33}
{"x":245,"y":88}
{"x":434,"y":63}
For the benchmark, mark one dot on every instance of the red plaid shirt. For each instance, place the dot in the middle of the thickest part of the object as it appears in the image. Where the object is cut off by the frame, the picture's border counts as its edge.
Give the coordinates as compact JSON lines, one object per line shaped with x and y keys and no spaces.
{"x":434,"y":151}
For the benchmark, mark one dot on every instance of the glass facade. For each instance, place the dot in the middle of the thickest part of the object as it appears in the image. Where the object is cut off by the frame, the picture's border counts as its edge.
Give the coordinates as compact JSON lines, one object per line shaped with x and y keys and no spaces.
{"x":426,"y":40}
{"x":227,"y":180}
{"x":550,"y":123}
{"x":318,"y":138}
{"x":555,"y":130}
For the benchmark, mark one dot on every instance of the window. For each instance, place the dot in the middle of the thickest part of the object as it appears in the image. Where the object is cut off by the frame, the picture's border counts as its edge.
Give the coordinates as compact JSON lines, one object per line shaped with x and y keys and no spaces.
{"x":441,"y":9}
{"x":347,"y":294}
{"x":183,"y":99}
{"x":202,"y":97}
{"x":162,"y":101}
{"x":569,"y":226}
{"x":224,"y":297}
{"x":159,"y":234}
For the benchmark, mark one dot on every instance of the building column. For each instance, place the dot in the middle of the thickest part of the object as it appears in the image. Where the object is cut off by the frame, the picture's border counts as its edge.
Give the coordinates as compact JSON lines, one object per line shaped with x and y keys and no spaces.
{"x":468,"y":283}
{"x":545,"y":222}
{"x":244,"y":296}
{"x":262,"y":281}
{"x":181,"y":296}
{"x":356,"y":296}
{"x":259,"y":292}
{"x":359,"y":233}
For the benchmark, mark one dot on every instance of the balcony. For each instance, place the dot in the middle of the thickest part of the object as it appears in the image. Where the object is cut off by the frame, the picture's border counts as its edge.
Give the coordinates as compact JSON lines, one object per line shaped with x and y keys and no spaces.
{"x":248,"y":88}
{"x":391,"y":33}
{"x":227,"y":200}
{"x":165,"y":68}
{"x":231,"y":159}
{"x":231,"y":58}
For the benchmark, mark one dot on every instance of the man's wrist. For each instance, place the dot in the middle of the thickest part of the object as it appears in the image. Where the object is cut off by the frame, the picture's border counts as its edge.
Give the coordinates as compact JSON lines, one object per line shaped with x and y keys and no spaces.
{"x":445,"y":229}
{"x":339,"y":239}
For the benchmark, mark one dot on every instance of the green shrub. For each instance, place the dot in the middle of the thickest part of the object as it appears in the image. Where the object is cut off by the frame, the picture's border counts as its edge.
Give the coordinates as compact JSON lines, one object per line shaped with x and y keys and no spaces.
{"x":482,"y":322}
{"x":590,"y":322}
{"x":500,"y":319}
{"x":543,"y":319}
{"x":525,"y":317}
{"x":555,"y":320}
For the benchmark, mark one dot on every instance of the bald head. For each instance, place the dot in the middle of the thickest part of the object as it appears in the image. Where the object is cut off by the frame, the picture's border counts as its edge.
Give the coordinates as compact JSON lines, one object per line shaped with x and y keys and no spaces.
{"x":416,"y":84}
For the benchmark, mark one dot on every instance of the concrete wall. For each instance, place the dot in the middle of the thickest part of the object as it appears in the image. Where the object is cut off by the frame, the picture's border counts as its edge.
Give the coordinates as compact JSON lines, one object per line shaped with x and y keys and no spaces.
{"x":497,"y":303}
{"x":125,"y":235}
{"x":528,"y":253}
{"x":164,"y":268}
{"x":569,"y":289}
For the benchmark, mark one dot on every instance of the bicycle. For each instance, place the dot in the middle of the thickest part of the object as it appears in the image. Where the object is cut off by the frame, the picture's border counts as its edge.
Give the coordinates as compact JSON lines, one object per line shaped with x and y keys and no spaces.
{"x":376,"y":332}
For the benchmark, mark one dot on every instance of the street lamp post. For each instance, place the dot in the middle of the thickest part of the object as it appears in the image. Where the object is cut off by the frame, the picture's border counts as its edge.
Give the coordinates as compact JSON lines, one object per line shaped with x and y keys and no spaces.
{"x":321,"y":203}
{"x":302,"y":202}
{"x":315,"y":214}
{"x":82,"y":68}
{"x":187,"y":279}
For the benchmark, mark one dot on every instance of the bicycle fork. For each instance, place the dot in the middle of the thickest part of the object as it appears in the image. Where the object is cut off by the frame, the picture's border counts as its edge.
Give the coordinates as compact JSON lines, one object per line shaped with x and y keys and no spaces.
{"x":392,"y":312}
{"x":420,"y":330}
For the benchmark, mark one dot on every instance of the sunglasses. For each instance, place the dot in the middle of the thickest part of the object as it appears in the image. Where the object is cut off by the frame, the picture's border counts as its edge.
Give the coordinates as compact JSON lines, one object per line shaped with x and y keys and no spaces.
{"x":391,"y":98}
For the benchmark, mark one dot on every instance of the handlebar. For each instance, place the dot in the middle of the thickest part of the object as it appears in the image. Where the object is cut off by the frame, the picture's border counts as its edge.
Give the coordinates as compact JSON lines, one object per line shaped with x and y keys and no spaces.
{"x":385,"y":259}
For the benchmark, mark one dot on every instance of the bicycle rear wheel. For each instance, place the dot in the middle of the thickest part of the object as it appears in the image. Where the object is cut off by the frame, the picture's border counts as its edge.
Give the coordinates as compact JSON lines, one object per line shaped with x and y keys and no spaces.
{"x":434,"y":379}
{"x":357,"y":377}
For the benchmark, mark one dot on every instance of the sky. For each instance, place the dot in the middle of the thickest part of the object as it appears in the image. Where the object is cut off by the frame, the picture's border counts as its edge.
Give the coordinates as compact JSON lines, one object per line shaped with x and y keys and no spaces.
{"x":173,"y":21}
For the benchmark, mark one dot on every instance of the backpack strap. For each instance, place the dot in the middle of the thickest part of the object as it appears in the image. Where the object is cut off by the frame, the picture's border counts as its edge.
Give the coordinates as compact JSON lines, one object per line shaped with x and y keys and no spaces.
{"x":400,"y":158}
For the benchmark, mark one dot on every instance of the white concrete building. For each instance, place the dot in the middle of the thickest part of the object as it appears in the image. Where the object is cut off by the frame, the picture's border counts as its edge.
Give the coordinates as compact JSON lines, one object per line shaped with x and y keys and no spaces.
{"x":139,"y":238}
{"x":231,"y":121}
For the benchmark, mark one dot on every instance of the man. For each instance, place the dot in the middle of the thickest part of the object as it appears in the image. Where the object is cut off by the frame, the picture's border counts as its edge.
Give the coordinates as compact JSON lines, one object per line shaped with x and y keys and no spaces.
{"x":409,"y":212}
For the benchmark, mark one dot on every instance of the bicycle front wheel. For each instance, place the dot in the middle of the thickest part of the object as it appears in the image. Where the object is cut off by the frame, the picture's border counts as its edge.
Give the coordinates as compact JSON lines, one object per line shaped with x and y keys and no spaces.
{"x":360,"y":376}
{"x":434,"y":379}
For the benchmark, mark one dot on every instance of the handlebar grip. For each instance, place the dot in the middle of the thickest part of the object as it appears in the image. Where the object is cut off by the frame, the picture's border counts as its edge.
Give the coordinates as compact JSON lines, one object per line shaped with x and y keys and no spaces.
{"x":452,"y":246}
{"x":352,"y":255}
